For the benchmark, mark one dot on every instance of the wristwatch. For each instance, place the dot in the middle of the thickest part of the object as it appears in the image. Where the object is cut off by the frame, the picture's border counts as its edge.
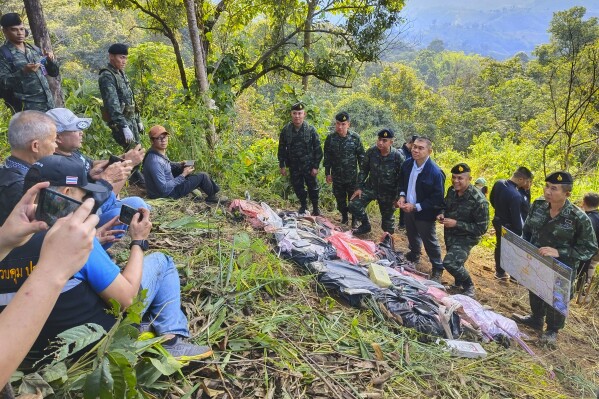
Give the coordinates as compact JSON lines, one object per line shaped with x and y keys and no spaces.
{"x":143,"y":244}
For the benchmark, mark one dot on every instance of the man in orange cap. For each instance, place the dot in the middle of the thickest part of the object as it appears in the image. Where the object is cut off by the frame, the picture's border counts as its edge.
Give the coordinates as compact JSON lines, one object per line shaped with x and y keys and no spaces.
{"x":166,"y":179}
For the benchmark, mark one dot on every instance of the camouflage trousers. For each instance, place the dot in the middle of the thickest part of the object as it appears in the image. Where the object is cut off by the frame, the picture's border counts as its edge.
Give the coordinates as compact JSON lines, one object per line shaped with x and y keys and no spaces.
{"x":458,"y":250}
{"x":343,"y":192}
{"x":358,"y":209}
{"x":300,"y":178}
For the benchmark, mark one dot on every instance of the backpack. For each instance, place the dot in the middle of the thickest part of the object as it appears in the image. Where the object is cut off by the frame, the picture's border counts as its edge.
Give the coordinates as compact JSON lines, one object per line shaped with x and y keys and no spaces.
{"x":13,"y":103}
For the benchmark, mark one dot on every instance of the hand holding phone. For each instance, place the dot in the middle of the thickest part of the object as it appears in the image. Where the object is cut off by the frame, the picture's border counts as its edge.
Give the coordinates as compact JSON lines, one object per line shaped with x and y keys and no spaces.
{"x":113,"y":159}
{"x":188,"y":163}
{"x":127,"y":213}
{"x":52,"y":205}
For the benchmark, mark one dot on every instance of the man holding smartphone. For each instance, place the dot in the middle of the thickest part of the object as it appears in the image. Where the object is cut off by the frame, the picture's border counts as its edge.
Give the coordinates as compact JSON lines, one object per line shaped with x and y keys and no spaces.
{"x":86,"y":296}
{"x":166,"y":179}
{"x":69,"y":139}
{"x":23,"y":69}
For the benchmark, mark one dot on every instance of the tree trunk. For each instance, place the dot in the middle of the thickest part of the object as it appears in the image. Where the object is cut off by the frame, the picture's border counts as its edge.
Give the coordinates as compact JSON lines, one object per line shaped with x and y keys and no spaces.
{"x":177,"y":49}
{"x":308,"y":40}
{"x":39,"y":30}
{"x":199,"y":63}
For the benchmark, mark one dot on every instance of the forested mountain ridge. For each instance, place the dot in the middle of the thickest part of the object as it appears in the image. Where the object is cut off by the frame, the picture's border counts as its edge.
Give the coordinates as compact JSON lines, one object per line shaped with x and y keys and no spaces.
{"x":497,"y":29}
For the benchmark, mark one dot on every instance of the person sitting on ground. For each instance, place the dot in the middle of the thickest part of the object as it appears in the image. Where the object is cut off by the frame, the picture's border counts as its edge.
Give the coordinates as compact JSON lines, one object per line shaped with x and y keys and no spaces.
{"x":562,"y":231}
{"x":166,"y":179}
{"x":69,"y":129}
{"x":465,"y":219}
{"x":31,"y":136}
{"x":87,"y":294}
{"x":590,"y":203}
{"x":19,"y":329}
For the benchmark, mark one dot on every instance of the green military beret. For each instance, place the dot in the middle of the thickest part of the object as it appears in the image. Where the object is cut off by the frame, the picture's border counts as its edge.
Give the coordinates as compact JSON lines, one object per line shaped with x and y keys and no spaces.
{"x":299,"y":106}
{"x":559,"y":178}
{"x":10,"y":19}
{"x":386,"y":134}
{"x":460,"y":168}
{"x":342,"y":117}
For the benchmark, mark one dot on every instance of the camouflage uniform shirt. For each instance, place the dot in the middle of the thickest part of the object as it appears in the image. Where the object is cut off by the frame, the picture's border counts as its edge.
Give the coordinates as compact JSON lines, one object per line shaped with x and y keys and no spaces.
{"x":299,"y":149}
{"x":32,"y":88}
{"x":570,"y":232}
{"x":342,"y":156}
{"x":381,"y":174}
{"x":470,"y":210}
{"x":118,"y":99}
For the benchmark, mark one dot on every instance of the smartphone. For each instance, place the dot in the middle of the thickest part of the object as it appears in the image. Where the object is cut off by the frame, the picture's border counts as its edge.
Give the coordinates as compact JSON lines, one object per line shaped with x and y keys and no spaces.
{"x":189,"y":163}
{"x":52,"y":205}
{"x":127,"y":213}
{"x":114,"y":159}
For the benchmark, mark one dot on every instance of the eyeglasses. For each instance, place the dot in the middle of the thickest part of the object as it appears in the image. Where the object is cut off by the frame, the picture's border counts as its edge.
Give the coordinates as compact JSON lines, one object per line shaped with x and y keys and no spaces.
{"x":162,"y":137}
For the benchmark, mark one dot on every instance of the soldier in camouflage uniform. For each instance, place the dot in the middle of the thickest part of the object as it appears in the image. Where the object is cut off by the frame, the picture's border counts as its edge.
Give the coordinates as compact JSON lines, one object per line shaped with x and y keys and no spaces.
{"x":300,"y":151}
{"x":465,"y":220}
{"x":343,"y":154}
{"x":378,"y":180}
{"x":23,"y":69}
{"x":562,"y":231}
{"x":120,"y":110}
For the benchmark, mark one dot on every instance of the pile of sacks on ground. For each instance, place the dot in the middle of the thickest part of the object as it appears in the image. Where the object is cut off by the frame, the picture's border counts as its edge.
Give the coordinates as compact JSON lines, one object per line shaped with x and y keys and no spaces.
{"x":352,"y":269}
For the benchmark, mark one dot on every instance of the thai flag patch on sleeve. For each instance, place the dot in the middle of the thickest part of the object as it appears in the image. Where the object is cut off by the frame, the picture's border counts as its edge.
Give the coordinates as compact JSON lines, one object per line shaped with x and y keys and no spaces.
{"x":71,"y":180}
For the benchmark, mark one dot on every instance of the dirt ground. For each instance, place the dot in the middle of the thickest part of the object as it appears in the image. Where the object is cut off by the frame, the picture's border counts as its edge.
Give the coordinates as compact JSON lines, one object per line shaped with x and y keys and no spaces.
{"x":578,"y":343}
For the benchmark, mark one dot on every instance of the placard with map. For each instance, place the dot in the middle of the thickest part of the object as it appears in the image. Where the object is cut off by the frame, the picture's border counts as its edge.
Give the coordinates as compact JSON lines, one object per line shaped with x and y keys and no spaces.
{"x":546,"y":277}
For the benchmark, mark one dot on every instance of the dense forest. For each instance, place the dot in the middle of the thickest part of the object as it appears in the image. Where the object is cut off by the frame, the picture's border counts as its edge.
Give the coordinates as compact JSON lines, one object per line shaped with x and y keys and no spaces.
{"x":225,"y":97}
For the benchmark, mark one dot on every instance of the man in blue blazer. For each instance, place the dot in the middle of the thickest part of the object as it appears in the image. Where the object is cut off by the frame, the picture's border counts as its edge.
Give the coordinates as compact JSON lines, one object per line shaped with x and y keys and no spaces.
{"x":421,"y":193}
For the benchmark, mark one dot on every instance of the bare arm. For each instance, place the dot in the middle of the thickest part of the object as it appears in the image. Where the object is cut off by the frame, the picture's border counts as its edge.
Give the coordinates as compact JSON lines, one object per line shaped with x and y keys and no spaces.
{"x":39,"y":293}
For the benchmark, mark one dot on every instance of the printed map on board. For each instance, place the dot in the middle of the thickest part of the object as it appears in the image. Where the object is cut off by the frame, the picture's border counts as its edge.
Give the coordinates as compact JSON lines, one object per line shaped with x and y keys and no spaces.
{"x":546,"y":277}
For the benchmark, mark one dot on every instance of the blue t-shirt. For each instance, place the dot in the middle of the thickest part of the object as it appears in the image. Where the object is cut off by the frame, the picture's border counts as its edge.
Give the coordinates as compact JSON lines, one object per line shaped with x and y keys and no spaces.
{"x":99,"y":271}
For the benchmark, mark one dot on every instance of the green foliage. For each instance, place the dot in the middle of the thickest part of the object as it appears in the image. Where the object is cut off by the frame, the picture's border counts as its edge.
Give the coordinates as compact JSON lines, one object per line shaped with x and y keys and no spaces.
{"x":118,"y":365}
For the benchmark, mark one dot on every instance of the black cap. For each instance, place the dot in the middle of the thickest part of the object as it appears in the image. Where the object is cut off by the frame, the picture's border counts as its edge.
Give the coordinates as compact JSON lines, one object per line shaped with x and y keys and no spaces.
{"x":342,"y":117}
{"x":386,"y":134}
{"x":62,"y":171}
{"x":460,"y":168}
{"x":560,"y":178}
{"x":10,"y":19}
{"x":300,"y":106}
{"x":413,"y":138}
{"x":118,"y":48}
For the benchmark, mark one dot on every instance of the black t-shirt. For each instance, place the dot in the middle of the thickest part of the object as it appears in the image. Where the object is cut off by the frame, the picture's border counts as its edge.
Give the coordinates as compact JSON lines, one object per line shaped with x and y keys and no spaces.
{"x":76,"y":305}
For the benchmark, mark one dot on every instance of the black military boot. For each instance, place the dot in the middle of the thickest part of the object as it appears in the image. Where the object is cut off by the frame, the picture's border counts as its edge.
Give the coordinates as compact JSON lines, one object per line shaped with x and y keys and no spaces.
{"x":436,"y":276}
{"x":363,"y":229}
{"x":468,"y":288}
{"x":303,"y":207}
{"x":534,"y":322}
{"x":315,"y":210}
{"x":344,"y":218}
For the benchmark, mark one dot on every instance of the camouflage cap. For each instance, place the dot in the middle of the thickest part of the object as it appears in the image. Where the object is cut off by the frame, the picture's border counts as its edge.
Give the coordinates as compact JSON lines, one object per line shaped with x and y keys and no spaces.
{"x":342,"y":117}
{"x":10,"y":19}
{"x":559,"y":178}
{"x":460,"y":168}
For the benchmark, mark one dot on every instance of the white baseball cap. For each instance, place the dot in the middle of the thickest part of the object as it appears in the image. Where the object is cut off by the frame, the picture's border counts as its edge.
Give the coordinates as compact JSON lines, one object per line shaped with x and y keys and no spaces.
{"x":67,"y":121}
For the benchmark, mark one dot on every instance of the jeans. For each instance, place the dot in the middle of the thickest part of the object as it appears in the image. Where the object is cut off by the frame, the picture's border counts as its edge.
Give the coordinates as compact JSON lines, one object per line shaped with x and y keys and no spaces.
{"x":163,"y":298}
{"x":200,"y":180}
{"x":112,"y":208}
